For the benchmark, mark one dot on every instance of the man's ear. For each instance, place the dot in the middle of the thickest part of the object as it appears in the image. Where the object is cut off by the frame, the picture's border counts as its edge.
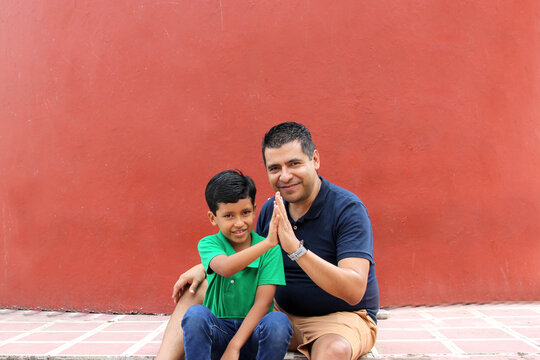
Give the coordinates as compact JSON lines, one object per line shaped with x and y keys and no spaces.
{"x":316,"y":159}
{"x":212,"y":218}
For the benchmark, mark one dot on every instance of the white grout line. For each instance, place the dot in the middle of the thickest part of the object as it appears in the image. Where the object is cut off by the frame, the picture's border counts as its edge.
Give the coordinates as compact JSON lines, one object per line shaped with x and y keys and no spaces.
{"x":445,"y":341}
{"x":375,"y":352}
{"x":458,"y":328}
{"x":85,"y":336}
{"x":438,"y":335}
{"x":144,"y":340}
{"x":507,"y":329}
{"x":434,"y":318}
{"x":60,"y":342}
{"x":483,"y":356}
{"x":25,"y":333}
{"x":429,"y":340}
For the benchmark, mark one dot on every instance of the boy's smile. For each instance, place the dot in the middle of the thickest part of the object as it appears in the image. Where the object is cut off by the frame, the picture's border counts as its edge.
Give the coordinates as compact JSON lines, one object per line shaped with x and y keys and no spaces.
{"x":235,"y":221}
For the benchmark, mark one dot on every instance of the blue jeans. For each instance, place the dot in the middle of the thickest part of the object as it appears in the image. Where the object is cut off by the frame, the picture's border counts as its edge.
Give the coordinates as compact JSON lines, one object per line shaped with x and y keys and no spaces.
{"x":206,"y":336}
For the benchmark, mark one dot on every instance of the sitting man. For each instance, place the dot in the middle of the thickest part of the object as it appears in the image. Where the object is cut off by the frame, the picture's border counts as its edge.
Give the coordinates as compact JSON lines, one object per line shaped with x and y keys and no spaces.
{"x":331,"y":296}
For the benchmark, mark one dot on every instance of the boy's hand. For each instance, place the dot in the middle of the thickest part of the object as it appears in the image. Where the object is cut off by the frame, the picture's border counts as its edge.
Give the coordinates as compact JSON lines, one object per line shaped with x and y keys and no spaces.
{"x":272,"y":237}
{"x":231,"y":354}
{"x":286,"y":236}
{"x":188,"y":281}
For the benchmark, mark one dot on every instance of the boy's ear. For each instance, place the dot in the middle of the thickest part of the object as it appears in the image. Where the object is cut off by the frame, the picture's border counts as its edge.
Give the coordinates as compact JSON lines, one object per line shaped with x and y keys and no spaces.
{"x":212,"y":218}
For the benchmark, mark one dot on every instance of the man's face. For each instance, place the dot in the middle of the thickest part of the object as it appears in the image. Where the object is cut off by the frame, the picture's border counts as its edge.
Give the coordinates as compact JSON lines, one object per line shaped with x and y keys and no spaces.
{"x":291,"y":172}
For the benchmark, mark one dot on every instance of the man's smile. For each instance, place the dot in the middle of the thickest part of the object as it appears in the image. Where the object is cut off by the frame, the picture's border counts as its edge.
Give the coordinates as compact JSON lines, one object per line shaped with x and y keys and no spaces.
{"x":288,"y":186}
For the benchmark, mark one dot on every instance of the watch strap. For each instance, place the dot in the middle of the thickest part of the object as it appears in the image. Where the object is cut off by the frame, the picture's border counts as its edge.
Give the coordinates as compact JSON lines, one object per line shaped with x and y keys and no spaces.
{"x":298,"y":253}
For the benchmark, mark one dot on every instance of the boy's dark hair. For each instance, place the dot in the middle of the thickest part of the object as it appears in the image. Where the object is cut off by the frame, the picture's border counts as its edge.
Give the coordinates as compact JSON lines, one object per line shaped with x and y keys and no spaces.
{"x":229,"y":186}
{"x":286,"y":132}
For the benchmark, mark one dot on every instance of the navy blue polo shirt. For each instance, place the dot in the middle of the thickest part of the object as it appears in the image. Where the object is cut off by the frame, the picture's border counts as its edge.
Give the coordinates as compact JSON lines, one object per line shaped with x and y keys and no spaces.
{"x":336,"y":227}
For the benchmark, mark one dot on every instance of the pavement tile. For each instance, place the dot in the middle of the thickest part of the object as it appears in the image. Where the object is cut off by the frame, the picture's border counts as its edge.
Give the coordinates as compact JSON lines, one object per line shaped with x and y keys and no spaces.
{"x":495,"y":346}
{"x":52,"y":336}
{"x":462,"y":322}
{"x":22,"y":318}
{"x":134,"y":326}
{"x":73,"y":326}
{"x":404,"y":315}
{"x":22,"y":348}
{"x":411,"y":347}
{"x":509,"y":312}
{"x":474,"y":333}
{"x":149,"y":349}
{"x":118,"y":336}
{"x":160,"y":318}
{"x":86,"y":348}
{"x":519,"y":321}
{"x":409,"y":333}
{"x":19,"y":326}
{"x":159,"y":336}
{"x":531,"y":332}
{"x":405,"y":323}
{"x":9,"y":334}
{"x":449,"y":313}
{"x":397,"y":334}
{"x":105,"y":317}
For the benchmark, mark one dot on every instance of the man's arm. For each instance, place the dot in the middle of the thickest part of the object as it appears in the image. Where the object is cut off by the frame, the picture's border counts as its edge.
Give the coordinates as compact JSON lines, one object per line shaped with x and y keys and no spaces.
{"x":263,"y":300}
{"x":193,"y":277}
{"x":347,"y":280}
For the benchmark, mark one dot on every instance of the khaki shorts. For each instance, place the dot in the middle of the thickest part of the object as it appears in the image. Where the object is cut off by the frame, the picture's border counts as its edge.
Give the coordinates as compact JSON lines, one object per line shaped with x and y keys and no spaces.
{"x":356,"y":327}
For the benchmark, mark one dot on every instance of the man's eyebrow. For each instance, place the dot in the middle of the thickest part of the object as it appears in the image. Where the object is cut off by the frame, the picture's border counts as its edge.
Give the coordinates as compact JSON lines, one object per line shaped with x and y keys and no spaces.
{"x":268,"y":166}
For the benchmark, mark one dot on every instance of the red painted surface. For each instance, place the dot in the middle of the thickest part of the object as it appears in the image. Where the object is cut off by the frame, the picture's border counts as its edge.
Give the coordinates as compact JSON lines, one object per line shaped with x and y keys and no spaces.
{"x":113,"y":116}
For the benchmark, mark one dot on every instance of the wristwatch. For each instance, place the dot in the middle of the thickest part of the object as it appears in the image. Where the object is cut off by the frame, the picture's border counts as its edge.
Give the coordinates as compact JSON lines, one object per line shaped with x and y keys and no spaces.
{"x":299,"y":252}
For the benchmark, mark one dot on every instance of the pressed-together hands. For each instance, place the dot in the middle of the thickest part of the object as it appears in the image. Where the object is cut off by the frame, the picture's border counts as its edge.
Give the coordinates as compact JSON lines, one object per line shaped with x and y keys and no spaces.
{"x":279,"y":231}
{"x":285,"y":232}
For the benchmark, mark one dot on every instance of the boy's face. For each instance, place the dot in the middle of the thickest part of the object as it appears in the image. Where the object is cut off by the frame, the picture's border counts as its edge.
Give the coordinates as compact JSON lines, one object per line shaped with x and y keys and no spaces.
{"x":235,"y":220}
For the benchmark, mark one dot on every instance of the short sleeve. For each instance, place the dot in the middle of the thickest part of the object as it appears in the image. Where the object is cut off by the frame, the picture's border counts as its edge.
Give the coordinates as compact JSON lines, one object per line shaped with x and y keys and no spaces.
{"x":271,"y":268}
{"x":354,"y":233}
{"x":210,"y":247}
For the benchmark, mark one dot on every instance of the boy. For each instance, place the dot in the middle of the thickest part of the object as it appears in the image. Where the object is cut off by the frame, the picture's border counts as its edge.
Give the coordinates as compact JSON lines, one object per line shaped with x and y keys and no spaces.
{"x":236,"y":319}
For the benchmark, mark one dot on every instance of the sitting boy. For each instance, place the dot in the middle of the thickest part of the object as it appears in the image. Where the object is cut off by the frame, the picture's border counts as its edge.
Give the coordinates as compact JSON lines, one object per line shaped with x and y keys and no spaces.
{"x":236,"y":319}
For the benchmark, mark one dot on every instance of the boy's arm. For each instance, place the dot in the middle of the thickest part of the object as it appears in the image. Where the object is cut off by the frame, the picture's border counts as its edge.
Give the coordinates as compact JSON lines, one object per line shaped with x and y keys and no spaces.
{"x":227,"y":266}
{"x":263,"y":300}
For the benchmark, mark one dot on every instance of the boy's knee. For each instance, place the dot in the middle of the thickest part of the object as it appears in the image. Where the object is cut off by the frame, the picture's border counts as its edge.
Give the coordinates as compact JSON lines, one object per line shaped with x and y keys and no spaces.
{"x":195,"y":316}
{"x":276,"y":325}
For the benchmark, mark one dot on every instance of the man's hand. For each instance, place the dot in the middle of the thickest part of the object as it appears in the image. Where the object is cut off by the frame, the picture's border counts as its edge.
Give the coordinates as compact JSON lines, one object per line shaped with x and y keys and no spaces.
{"x":188,"y":281}
{"x":286,"y":236}
{"x":272,"y":237}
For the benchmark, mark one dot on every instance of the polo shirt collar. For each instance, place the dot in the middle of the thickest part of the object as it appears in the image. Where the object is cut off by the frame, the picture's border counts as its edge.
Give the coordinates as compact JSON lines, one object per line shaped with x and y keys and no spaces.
{"x":318,"y":204}
{"x":230,"y":250}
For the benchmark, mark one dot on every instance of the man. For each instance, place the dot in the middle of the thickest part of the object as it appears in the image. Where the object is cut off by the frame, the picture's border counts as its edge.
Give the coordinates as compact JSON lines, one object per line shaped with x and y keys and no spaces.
{"x":331,"y":296}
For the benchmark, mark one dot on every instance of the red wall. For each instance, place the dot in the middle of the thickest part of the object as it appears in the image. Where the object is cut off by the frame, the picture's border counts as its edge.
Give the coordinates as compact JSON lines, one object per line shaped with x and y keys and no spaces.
{"x":113,"y":116}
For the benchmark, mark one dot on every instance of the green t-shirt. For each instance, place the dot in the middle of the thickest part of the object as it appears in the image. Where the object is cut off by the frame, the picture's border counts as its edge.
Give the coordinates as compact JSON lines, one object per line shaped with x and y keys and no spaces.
{"x":232,"y":297}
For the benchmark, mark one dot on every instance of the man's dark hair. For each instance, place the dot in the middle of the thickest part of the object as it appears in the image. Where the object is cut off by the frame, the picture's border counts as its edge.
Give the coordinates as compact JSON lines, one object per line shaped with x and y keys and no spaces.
{"x":286,"y":132}
{"x":229,"y":186}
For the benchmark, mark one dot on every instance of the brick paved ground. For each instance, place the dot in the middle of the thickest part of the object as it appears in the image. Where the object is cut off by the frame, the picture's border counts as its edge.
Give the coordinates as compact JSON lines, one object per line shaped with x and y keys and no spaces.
{"x":481,"y":332}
